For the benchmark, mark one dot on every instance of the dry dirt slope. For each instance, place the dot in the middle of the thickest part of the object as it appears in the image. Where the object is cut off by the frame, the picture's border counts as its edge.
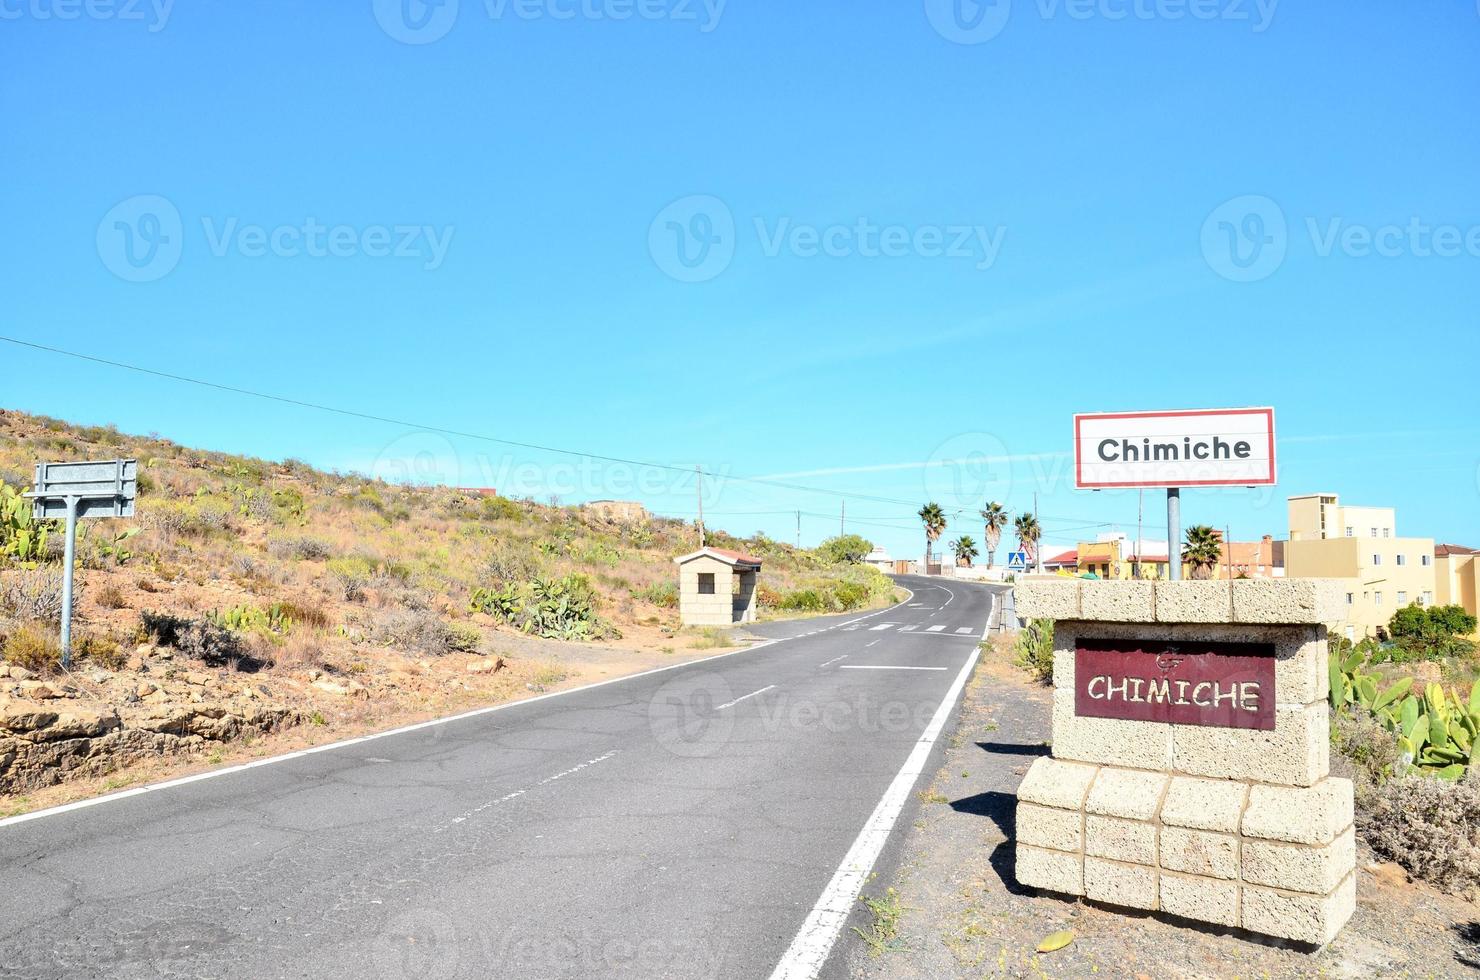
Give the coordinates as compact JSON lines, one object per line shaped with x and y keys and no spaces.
{"x":249,"y":597}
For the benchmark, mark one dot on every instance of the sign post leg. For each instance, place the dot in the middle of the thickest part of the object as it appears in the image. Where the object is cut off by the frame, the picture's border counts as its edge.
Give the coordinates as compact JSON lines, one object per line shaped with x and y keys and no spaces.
{"x":67,"y":566}
{"x":1174,"y":533}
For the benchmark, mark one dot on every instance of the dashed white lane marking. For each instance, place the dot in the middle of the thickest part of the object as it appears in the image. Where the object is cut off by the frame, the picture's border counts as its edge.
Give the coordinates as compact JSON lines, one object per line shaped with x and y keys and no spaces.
{"x":833,"y":660}
{"x":883,"y":667}
{"x":916,"y":605}
{"x":731,"y":704}
{"x":962,"y":630}
{"x":867,"y":645}
{"x":520,"y":792}
{"x":934,"y":629}
{"x":804,"y":958}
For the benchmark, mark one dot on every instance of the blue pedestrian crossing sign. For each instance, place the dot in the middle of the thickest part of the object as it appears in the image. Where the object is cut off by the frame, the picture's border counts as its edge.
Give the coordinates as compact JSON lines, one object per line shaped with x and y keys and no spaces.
{"x":1017,"y":561}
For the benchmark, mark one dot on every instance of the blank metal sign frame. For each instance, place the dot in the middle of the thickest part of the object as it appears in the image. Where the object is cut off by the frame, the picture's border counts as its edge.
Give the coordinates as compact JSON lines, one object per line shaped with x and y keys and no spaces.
{"x":103,"y":488}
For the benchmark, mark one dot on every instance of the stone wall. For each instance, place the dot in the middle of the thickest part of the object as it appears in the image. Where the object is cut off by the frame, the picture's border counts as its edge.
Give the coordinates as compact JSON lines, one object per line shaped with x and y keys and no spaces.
{"x":1231,"y":826}
{"x":44,"y":744}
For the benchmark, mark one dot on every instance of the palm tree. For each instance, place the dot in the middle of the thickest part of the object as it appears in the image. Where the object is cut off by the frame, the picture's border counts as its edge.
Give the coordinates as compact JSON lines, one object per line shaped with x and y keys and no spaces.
{"x":964,"y":549}
{"x":1028,"y":533}
{"x":934,"y":520}
{"x":1203,"y":551}
{"x":994,"y":515}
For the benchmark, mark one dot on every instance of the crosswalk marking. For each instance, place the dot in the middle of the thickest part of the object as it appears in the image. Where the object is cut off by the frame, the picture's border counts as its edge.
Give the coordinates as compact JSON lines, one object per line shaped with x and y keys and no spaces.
{"x":881,"y":626}
{"x":906,"y":629}
{"x":934,"y":629}
{"x":963,"y":629}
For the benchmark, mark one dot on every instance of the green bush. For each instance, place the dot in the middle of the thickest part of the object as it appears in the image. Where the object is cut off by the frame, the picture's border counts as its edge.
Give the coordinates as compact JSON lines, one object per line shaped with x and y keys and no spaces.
{"x":22,"y":537}
{"x":560,"y":609}
{"x":1421,"y":633}
{"x":1034,"y":649}
{"x":844,"y":549}
{"x":663,"y":594}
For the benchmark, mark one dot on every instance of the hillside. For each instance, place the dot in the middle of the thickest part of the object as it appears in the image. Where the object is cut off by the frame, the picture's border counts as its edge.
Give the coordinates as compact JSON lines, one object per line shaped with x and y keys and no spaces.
{"x":251,"y":597}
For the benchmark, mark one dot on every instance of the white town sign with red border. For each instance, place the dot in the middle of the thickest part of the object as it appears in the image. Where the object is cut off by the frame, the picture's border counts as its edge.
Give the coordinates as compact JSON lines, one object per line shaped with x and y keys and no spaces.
{"x":1217,"y":447}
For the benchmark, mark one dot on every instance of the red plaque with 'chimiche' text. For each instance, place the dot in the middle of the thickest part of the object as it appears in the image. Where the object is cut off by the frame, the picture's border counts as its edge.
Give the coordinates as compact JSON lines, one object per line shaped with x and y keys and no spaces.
{"x":1223,"y":685}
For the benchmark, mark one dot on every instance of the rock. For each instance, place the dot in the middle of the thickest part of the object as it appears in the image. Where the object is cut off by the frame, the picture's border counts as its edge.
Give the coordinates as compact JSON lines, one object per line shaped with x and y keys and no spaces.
{"x":348,"y":689}
{"x":486,"y":665}
{"x":20,"y":673}
{"x":195,"y":679}
{"x":99,"y":676}
{"x":83,"y":722}
{"x":39,"y":690}
{"x":22,"y":716}
{"x":155,"y":696}
{"x":145,"y":689}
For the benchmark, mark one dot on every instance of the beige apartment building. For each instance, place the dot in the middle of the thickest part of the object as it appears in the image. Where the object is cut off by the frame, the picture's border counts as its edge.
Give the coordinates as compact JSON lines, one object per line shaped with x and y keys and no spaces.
{"x":1384,"y":572}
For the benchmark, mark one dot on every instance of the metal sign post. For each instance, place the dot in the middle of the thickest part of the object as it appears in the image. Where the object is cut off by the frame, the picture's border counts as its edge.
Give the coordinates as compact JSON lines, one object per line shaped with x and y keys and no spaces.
{"x":76,"y":490}
{"x":1174,"y":533}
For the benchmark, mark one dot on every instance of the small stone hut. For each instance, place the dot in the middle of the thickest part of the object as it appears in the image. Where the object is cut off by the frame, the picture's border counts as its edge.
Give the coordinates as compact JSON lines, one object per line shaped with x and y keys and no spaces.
{"x":716,"y":587}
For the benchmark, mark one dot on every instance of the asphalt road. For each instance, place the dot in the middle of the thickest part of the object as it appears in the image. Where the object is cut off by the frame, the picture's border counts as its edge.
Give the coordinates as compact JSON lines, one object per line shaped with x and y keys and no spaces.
{"x":709,"y":820}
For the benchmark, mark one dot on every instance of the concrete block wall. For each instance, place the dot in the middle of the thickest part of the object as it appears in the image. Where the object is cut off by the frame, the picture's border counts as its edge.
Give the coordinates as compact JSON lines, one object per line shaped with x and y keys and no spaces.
{"x":1277,"y":860}
{"x":1236,"y":827}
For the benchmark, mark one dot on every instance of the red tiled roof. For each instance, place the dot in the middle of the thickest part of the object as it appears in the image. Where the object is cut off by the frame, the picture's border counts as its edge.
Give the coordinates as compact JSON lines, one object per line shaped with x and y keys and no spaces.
{"x":1441,"y":550}
{"x":1070,"y":557}
{"x":738,"y":556}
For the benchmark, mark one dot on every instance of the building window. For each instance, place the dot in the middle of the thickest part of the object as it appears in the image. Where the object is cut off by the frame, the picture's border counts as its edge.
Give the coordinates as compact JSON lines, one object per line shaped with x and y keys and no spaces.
{"x":1377,"y":559}
{"x":1427,"y":599}
{"x":1402,"y":559}
{"x":1350,"y":598}
{"x":1426,"y":560}
{"x":1374,"y":532}
{"x":706,"y":583}
{"x":1377,"y":598}
{"x":1387,"y":532}
{"x":1350,"y":532}
{"x":1402,"y":598}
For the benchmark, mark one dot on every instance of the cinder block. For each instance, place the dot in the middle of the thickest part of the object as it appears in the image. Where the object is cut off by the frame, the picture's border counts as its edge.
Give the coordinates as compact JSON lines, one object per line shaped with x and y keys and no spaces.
{"x":1120,"y":840}
{"x":1194,"y":601}
{"x":1308,"y":815}
{"x":1134,"y":794}
{"x":1047,"y":598}
{"x":1053,"y":871}
{"x":1042,"y":826}
{"x":1113,"y":601}
{"x":1053,"y":782}
{"x":1310,"y":919}
{"x":1295,"y":753}
{"x":1316,"y":601}
{"x":1300,"y":867}
{"x":1300,"y":674}
{"x":1108,"y":741}
{"x":1199,"y":852}
{"x":1204,"y":804}
{"x":1063,"y":660}
{"x":1131,"y":886}
{"x":1200,"y":898}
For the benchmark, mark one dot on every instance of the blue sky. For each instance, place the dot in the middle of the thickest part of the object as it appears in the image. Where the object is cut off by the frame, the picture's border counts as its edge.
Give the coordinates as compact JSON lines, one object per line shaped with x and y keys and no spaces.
{"x":934,"y":231}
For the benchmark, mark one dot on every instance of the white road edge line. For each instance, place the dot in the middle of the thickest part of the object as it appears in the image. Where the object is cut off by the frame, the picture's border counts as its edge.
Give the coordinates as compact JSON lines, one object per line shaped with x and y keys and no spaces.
{"x":271,"y":760}
{"x":883,"y":667}
{"x":833,"y":660}
{"x":731,"y":704}
{"x":805,"y":957}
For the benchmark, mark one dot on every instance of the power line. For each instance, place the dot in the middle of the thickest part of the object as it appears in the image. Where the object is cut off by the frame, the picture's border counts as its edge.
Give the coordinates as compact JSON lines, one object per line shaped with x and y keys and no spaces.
{"x":390,"y":420}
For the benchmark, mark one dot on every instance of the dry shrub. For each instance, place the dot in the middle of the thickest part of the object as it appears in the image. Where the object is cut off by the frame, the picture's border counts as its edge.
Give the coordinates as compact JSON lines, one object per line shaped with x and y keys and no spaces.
{"x":34,"y":647}
{"x":417,"y":631}
{"x":33,"y":594}
{"x":304,"y":613}
{"x":103,"y":651}
{"x":301,"y":549}
{"x":301,"y":651}
{"x":1429,"y":826}
{"x":202,"y":640}
{"x":111,"y":596}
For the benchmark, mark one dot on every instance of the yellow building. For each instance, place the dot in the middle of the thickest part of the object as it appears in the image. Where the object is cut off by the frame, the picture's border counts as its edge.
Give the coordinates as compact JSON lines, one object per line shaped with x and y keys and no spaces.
{"x":1361,"y":544}
{"x":1455,"y":571}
